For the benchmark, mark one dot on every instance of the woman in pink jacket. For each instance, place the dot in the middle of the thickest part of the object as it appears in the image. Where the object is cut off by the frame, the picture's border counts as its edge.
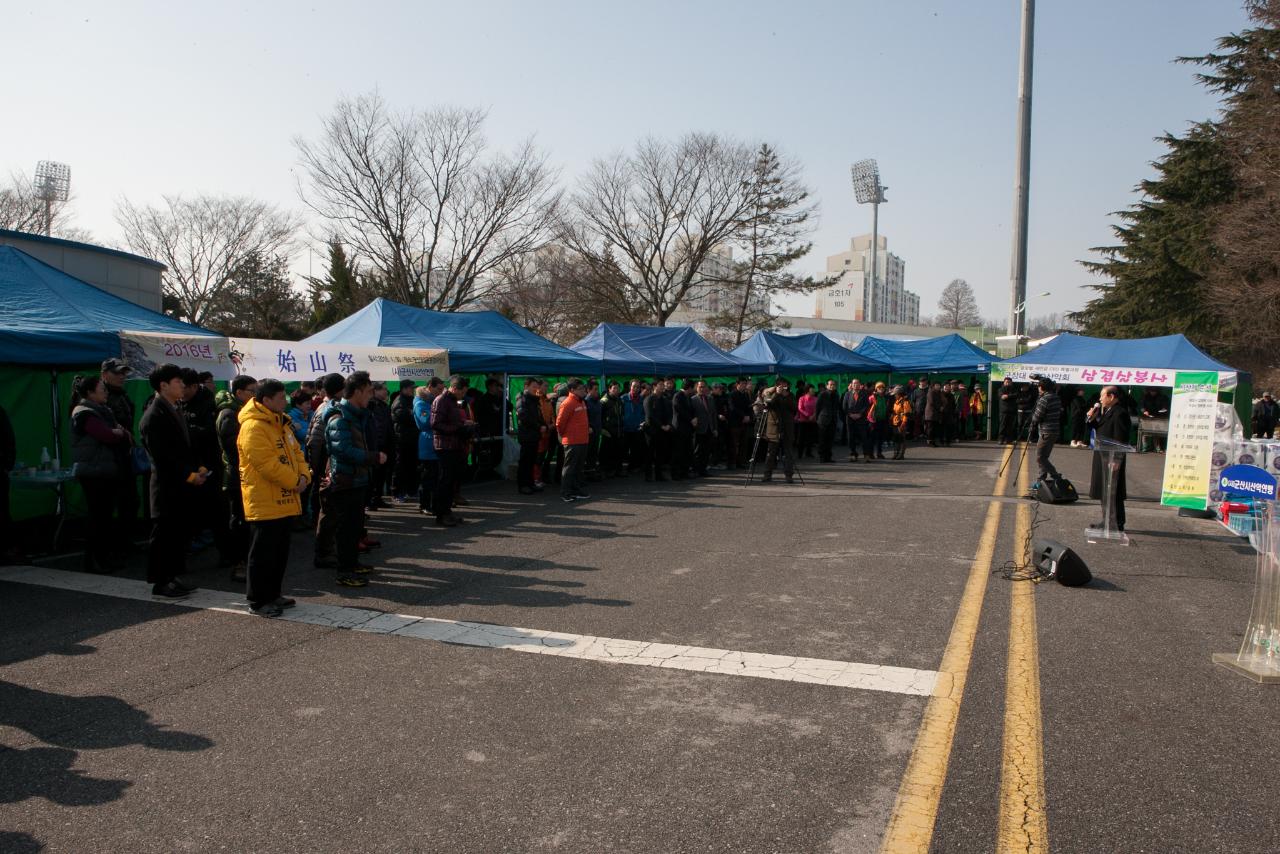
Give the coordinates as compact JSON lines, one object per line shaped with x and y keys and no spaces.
{"x":806,"y":422}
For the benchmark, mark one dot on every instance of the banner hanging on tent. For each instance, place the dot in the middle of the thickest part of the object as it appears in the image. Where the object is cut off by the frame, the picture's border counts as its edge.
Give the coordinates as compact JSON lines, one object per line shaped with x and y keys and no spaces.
{"x":144,"y":351}
{"x":290,"y":360}
{"x":1083,"y":374}
{"x":282,"y":360}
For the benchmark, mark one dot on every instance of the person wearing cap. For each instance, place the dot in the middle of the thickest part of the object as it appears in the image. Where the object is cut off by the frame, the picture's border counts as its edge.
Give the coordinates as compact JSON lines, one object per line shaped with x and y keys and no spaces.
{"x":878,"y":417}
{"x":1266,"y":413}
{"x":114,"y":372}
{"x":176,"y":479}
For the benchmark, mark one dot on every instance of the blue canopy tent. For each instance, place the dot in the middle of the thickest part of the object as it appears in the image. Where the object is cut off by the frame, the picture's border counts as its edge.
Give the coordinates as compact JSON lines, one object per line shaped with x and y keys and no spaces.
{"x":949,"y":354}
{"x":1141,"y":362}
{"x":50,"y":318}
{"x":478,"y":342}
{"x":1168,"y":352}
{"x":57,"y":323}
{"x":814,"y":352}
{"x":659,"y":350}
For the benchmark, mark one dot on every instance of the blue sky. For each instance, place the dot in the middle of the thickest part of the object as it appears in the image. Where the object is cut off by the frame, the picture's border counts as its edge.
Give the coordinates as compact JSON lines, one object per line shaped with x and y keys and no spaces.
{"x":143,"y":99}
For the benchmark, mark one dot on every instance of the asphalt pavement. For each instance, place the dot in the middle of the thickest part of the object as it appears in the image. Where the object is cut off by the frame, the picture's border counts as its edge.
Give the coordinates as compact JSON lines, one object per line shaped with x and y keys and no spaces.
{"x":145,"y":726}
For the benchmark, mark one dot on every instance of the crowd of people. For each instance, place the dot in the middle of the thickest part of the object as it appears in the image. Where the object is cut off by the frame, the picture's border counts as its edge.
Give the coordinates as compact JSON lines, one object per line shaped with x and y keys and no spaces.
{"x":245,"y":468}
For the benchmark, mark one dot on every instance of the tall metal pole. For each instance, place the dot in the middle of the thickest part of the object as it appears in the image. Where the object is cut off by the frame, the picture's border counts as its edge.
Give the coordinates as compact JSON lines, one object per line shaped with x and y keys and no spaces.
{"x":1018,"y":295}
{"x":875,"y":252}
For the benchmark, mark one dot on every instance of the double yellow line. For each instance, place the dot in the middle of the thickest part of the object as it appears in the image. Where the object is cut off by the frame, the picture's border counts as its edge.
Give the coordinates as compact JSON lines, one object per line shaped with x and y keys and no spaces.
{"x":1022,"y":819}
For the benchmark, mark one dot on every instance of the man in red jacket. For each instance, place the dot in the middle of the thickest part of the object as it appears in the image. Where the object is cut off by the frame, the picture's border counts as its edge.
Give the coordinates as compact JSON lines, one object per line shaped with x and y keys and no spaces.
{"x":450,"y":431}
{"x":574,"y":430}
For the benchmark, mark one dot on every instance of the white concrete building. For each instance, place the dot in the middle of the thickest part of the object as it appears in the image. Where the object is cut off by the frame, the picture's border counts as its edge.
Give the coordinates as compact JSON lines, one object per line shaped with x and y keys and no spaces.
{"x":853,"y":297}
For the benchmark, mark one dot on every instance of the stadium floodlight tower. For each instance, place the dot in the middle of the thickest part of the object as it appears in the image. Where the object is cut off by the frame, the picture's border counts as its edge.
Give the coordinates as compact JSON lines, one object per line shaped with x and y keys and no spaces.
{"x":52,"y":184}
{"x":868,"y":190}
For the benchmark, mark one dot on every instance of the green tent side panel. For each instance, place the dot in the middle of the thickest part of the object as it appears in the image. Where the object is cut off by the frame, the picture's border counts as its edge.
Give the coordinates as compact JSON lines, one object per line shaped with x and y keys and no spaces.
{"x":26,"y":395}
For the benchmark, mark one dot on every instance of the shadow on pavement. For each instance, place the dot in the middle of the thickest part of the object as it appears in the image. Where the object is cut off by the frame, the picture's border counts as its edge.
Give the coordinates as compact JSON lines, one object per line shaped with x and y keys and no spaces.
{"x":69,"y":724}
{"x":19,"y":843}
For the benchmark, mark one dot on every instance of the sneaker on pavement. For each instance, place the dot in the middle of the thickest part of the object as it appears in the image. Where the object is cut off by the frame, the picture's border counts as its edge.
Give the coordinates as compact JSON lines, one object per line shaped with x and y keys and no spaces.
{"x":568,"y":499}
{"x":351,"y":581}
{"x":271,"y":609}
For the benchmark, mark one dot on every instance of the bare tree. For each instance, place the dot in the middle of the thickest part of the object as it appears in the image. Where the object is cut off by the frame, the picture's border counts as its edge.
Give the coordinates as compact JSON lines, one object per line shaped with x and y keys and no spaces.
{"x":646,"y":222}
{"x":22,"y":210}
{"x":421,"y":198}
{"x":203,"y":240}
{"x":957,"y":307}
{"x":555,"y":293}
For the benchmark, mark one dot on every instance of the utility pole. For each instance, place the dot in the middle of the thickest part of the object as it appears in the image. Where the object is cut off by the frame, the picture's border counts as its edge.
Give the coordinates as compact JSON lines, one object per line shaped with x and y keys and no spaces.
{"x":1022,"y":180}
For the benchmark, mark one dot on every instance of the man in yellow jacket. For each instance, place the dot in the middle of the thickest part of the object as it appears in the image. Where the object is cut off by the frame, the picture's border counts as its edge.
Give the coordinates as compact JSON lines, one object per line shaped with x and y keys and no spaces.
{"x":273,"y":476}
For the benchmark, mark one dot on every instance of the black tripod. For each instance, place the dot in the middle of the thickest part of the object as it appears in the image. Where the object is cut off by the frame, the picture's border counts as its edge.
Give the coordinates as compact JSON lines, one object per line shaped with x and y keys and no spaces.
{"x":784,"y":451}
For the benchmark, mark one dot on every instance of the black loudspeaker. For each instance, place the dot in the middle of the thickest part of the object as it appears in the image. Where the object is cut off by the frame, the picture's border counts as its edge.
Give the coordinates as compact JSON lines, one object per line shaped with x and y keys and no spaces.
{"x":1060,"y":563}
{"x":1056,"y":491}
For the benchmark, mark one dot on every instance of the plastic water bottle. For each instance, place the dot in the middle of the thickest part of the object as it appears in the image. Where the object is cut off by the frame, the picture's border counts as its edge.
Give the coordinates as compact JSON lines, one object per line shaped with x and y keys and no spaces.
{"x":45,"y":463}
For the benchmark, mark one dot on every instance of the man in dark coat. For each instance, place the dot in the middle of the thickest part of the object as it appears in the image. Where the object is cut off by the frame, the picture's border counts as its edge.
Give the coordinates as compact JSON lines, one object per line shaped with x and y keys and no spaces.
{"x":855,"y":404}
{"x":1109,"y":418}
{"x":404,"y":480}
{"x":529,"y":432}
{"x":778,"y":407}
{"x":1046,"y":422}
{"x":1008,"y":397}
{"x":210,"y":512}
{"x":657,"y":420}
{"x":1026,"y":399}
{"x":681,"y":431}
{"x":742,"y":434}
{"x":177,"y":475}
{"x":828,"y":416}
{"x":1266,"y":413}
{"x":705,"y":428}
{"x":381,"y":420}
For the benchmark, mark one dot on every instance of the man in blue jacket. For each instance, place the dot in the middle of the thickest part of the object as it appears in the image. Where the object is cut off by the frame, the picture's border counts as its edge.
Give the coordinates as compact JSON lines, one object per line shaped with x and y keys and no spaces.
{"x":633,"y":429}
{"x":428,"y":462}
{"x":351,"y":460}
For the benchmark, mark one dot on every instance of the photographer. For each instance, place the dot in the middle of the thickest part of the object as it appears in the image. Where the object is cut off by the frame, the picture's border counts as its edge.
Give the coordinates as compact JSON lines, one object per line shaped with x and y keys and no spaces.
{"x":1047,"y":419}
{"x":779,"y":409}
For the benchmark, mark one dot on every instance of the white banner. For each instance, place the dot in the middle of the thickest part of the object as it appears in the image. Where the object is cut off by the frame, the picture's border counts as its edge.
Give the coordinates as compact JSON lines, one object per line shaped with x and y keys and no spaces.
{"x":289,"y":361}
{"x":144,"y":351}
{"x":1093,"y":375}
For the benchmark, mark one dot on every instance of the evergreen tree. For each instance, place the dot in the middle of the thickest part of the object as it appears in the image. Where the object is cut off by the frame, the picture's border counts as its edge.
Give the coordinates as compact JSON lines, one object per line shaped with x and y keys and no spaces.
{"x":340,"y":293}
{"x":1244,"y":282}
{"x":259,"y":301}
{"x":772,"y":237}
{"x":1157,"y":270}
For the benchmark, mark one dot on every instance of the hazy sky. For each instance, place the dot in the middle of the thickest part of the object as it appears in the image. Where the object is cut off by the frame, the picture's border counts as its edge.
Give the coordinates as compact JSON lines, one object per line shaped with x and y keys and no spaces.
{"x":143,"y":99}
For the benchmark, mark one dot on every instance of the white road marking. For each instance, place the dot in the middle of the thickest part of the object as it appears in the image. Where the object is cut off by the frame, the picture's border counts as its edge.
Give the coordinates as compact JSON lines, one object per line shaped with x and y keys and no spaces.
{"x":839,"y":674}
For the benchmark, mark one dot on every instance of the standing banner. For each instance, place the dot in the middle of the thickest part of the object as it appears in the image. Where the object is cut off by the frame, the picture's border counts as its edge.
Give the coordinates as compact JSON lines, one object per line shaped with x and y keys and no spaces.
{"x":291,"y":360}
{"x":1189,"y":452}
{"x":144,"y":351}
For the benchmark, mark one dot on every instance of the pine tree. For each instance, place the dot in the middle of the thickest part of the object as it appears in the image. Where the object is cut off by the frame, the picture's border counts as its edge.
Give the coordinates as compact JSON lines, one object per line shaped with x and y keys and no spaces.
{"x":1157,"y":270}
{"x":340,"y":293}
{"x":259,"y":301}
{"x":772,"y":237}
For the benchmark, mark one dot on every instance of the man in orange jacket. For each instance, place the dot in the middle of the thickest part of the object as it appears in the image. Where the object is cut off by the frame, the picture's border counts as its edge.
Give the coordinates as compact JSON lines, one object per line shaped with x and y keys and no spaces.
{"x":575,"y":432}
